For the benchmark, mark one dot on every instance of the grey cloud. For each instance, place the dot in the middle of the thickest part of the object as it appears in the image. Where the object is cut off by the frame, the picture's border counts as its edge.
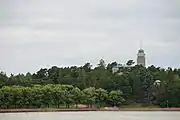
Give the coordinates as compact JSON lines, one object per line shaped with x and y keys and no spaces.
{"x":37,"y":33}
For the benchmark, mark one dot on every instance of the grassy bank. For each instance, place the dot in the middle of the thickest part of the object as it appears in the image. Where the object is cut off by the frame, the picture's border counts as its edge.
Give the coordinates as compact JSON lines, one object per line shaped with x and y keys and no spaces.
{"x":88,"y":109}
{"x":139,"y":106}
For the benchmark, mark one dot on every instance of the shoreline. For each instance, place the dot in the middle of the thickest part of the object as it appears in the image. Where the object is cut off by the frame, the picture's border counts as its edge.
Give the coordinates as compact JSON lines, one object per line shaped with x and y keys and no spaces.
{"x":84,"y":109}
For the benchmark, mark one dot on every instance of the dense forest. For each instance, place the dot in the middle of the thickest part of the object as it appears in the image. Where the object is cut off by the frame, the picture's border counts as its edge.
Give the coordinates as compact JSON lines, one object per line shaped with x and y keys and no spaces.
{"x":131,"y":84}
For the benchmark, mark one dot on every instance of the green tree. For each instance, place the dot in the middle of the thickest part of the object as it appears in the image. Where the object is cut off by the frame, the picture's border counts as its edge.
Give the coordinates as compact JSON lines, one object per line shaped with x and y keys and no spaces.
{"x":111,"y":65}
{"x":3,"y":79}
{"x":58,"y":95}
{"x":87,"y":67}
{"x":37,"y":94}
{"x":102,"y":64}
{"x":76,"y":96}
{"x":101,"y":96}
{"x":115,"y":98}
{"x":130,"y":62}
{"x":89,"y":95}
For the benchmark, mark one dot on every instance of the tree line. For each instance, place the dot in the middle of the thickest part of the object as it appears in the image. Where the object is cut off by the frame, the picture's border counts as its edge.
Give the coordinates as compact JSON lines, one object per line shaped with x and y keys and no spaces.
{"x":147,"y":86}
{"x":51,"y":95}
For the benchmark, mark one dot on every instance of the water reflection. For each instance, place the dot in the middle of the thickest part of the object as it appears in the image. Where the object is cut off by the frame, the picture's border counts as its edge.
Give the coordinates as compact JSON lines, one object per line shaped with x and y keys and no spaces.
{"x":92,"y":116}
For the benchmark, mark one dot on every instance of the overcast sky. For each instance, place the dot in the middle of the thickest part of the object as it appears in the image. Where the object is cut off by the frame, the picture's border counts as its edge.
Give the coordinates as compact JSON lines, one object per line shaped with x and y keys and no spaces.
{"x":43,"y":33}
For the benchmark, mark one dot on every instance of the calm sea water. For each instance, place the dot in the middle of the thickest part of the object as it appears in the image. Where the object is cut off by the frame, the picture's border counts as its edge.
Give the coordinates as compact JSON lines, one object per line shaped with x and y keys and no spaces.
{"x":106,"y":115}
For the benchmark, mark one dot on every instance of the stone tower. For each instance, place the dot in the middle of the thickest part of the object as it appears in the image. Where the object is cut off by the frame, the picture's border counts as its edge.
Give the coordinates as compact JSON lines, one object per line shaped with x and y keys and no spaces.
{"x":141,"y":59}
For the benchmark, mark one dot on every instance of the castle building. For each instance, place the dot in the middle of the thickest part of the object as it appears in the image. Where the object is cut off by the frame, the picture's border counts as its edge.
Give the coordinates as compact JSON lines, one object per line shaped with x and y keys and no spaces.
{"x":116,"y":68}
{"x":141,"y":60}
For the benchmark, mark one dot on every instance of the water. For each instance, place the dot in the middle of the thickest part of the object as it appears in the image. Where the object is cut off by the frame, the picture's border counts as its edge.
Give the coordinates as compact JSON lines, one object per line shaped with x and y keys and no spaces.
{"x":106,"y":115}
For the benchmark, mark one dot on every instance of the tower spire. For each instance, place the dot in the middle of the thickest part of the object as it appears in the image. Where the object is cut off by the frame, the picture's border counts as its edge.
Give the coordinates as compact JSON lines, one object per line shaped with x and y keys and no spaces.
{"x":140,"y":43}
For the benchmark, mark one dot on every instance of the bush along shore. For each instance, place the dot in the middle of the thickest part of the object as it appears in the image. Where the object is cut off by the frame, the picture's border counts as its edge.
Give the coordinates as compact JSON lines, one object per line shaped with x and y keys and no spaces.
{"x":57,"y":96}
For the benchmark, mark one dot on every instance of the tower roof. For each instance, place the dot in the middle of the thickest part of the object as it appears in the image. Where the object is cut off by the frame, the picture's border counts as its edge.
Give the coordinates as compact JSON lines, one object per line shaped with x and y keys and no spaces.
{"x":141,"y":51}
